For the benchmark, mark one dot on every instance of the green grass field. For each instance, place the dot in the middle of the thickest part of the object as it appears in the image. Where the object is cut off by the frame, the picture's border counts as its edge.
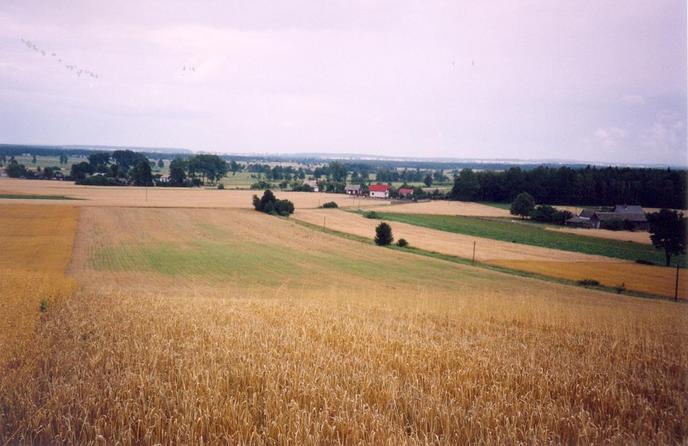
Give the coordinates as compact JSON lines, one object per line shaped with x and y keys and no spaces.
{"x":218,"y":254}
{"x":534,"y":234}
{"x":506,"y":206}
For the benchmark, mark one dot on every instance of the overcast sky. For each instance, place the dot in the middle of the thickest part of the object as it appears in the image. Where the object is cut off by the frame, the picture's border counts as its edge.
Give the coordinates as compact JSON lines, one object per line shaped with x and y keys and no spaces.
{"x":582,"y":80}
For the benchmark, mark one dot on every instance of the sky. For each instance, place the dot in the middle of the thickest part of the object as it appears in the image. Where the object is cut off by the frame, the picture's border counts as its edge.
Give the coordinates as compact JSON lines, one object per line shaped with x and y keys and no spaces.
{"x":601,"y":81}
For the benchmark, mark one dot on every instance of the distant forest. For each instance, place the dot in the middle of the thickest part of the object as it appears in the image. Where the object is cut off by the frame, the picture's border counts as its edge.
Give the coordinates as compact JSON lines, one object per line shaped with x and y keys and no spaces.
{"x":585,"y":186}
{"x":498,"y":182}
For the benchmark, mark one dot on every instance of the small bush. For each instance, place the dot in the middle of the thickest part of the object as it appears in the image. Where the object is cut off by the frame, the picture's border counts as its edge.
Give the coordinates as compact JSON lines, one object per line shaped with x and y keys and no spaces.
{"x":330,"y":205}
{"x":402,"y":243}
{"x":371,"y":214}
{"x":43,"y":306}
{"x":221,"y":186}
{"x":269,"y":204}
{"x":383,"y":234}
{"x":588,"y":282}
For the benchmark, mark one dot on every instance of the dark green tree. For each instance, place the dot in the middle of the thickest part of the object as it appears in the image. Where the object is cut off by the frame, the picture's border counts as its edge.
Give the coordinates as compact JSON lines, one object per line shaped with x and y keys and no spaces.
{"x":210,"y":167}
{"x":79,"y":171}
{"x":668,"y":232}
{"x":338,"y":171}
{"x":466,"y":186}
{"x":126,"y":159}
{"x":98,"y":159}
{"x":142,"y":174}
{"x":16,"y":170}
{"x":33,"y":160}
{"x":161,"y":163}
{"x":523,"y":205}
{"x":428,"y":180}
{"x":177,"y":172}
{"x":383,"y":234}
{"x":234,"y":167}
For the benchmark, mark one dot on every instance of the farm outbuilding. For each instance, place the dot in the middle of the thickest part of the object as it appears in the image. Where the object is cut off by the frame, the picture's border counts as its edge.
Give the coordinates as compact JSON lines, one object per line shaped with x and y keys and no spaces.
{"x":379,"y":191}
{"x":633,"y":217}
{"x":353,"y":189}
{"x":405,"y":192}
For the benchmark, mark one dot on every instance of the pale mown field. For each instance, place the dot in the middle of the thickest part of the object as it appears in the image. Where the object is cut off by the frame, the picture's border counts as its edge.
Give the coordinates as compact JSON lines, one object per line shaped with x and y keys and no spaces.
{"x":229,"y":326}
{"x":443,"y":207}
{"x":624,"y":236}
{"x":161,"y":196}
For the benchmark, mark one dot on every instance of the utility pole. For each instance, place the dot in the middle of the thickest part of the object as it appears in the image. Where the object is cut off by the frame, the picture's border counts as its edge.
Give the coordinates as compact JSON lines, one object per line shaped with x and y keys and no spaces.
{"x":473,"y":253}
{"x":676,"y":288}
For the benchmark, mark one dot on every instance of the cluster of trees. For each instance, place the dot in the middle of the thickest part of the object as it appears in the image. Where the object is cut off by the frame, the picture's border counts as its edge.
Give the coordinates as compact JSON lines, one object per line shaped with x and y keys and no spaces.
{"x":565,"y":185}
{"x":123,"y":167}
{"x":16,"y":170}
{"x":120,"y":167}
{"x":277,"y":173}
{"x":524,"y":206}
{"x":412,"y":175}
{"x":269,"y":204}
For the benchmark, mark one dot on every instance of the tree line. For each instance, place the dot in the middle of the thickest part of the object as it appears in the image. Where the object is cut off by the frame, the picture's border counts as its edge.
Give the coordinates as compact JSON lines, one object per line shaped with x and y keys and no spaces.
{"x":661,"y":188}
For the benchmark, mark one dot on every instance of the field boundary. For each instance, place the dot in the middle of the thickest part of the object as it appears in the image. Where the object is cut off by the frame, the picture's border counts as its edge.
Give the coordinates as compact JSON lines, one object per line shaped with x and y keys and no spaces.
{"x":468,"y":262}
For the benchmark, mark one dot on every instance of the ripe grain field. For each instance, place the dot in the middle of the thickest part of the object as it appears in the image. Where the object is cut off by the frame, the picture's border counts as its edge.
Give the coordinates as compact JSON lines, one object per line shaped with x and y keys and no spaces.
{"x":331,"y":341}
{"x":35,"y":248}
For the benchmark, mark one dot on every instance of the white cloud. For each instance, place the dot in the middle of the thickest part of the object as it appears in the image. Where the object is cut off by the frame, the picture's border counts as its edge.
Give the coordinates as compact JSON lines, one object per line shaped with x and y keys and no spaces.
{"x":667,"y":133}
{"x":610,"y":137}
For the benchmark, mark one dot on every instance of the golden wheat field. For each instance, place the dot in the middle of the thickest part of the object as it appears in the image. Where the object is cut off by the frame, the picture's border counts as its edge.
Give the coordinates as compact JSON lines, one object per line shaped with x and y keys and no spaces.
{"x":645,"y":278}
{"x":35,"y":248}
{"x":224,"y":326}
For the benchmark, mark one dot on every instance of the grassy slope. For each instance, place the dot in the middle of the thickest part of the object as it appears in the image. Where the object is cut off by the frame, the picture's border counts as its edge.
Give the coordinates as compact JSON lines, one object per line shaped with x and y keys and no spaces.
{"x":213,"y":252}
{"x":533,"y":234}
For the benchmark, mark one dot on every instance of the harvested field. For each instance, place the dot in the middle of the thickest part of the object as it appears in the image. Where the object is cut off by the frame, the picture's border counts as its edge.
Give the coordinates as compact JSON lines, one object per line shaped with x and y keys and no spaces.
{"x":444,"y":207}
{"x":439,"y":241}
{"x":162,"y":196}
{"x":332,"y":341}
{"x":645,"y":278}
{"x":625,"y":236}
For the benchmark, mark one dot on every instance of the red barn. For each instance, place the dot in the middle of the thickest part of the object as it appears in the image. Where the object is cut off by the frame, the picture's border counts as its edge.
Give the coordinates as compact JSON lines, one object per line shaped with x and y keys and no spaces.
{"x":405,"y":192}
{"x":379,"y":191}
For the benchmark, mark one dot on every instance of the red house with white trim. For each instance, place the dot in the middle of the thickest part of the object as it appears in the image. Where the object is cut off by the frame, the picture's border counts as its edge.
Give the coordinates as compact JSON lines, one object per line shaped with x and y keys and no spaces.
{"x":378,"y":191}
{"x":405,"y":192}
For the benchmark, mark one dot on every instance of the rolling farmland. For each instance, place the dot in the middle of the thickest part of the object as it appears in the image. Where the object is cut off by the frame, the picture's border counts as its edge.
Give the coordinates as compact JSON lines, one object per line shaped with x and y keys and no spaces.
{"x":182,"y":325}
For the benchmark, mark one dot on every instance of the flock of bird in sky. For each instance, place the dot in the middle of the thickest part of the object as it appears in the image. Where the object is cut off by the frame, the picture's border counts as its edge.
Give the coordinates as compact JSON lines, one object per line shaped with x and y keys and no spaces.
{"x":79,"y":71}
